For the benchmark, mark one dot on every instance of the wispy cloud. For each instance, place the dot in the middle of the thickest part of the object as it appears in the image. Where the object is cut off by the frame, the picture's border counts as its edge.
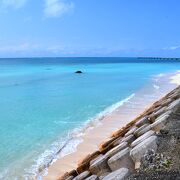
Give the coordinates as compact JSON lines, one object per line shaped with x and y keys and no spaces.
{"x":16,"y":4}
{"x":57,"y":8}
{"x":172,"y":48}
{"x":18,"y":48}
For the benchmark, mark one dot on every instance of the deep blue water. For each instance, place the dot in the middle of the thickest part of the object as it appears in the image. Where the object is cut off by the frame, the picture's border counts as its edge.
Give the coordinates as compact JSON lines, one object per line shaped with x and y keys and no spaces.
{"x":42,"y":100}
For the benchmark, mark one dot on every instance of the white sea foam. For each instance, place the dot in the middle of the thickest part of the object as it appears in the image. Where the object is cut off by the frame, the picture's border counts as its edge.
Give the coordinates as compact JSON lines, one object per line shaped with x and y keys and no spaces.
{"x":69,"y":144}
{"x":156,"y":86}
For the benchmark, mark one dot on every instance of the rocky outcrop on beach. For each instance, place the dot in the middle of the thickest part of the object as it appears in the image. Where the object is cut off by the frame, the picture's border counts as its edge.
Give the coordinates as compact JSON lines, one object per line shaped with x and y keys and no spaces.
{"x":146,"y":148}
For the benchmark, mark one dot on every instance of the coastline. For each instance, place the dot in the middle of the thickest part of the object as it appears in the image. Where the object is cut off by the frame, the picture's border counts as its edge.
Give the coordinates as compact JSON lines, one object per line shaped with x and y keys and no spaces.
{"x":110,"y":123}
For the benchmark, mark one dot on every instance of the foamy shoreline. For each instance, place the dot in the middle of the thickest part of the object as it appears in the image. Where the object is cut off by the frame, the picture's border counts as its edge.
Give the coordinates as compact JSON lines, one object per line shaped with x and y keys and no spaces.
{"x":110,"y":123}
{"x":176,"y":78}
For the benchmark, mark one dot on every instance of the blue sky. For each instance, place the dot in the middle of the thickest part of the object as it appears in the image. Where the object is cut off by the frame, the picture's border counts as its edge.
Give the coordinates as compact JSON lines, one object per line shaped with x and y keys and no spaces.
{"x":89,"y":28}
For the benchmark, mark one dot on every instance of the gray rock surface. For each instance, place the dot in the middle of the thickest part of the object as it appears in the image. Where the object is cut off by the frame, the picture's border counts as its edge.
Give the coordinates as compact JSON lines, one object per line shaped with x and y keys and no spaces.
{"x":142,"y":121}
{"x":116,"y":149}
{"x":137,"y":132}
{"x":82,"y":176}
{"x":70,"y":178}
{"x":174,"y":106}
{"x":129,"y":139}
{"x":138,"y":151}
{"x":93,"y":177}
{"x":121,"y":159}
{"x":120,"y":174}
{"x":131,"y":131}
{"x":100,"y":166}
{"x":160,"y":111}
{"x":142,"y":138}
{"x":160,"y":122}
{"x":95,"y":159}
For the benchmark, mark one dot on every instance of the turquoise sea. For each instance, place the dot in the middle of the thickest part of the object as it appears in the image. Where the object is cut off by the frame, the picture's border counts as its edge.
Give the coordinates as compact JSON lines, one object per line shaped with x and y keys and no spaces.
{"x":43,"y":103}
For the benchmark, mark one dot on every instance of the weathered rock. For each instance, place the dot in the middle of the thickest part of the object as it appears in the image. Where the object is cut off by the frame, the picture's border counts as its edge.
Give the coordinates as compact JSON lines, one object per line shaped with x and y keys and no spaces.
{"x":73,"y":173}
{"x":175,"y":95}
{"x":117,"y":141}
{"x":138,"y":151}
{"x":129,"y":139}
{"x":95,"y":159}
{"x":174,"y":106}
{"x":131,"y":131}
{"x":151,"y":118}
{"x":101,"y":177}
{"x":82,"y":176}
{"x":100,"y":166}
{"x":116,"y":149}
{"x":83,"y":167}
{"x":93,"y":177}
{"x":121,"y":132}
{"x":121,"y":159}
{"x":142,"y":121}
{"x":160,"y":122}
{"x":144,"y":130}
{"x":166,"y":102}
{"x":136,"y":133}
{"x":120,"y":174}
{"x":160,"y":111}
{"x":70,"y":178}
{"x":107,"y":148}
{"x":107,"y":142}
{"x":142,"y":138}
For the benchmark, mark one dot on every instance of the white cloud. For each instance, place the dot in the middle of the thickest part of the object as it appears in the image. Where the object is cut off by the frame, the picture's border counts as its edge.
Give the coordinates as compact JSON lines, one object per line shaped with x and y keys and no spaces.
{"x":16,"y":4}
{"x":18,"y":48}
{"x":57,"y":8}
{"x":172,"y":48}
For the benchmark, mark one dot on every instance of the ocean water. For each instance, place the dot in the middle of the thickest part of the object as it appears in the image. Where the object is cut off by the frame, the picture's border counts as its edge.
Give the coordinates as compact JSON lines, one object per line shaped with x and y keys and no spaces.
{"x":43,"y":104}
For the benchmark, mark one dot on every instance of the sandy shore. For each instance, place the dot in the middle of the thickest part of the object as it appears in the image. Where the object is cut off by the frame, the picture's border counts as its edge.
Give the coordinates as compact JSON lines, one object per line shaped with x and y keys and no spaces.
{"x":112,"y":122}
{"x":176,"y":78}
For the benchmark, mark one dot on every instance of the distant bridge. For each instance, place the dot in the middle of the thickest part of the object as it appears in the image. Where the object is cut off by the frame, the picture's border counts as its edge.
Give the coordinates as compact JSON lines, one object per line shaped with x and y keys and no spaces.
{"x":159,"y":58}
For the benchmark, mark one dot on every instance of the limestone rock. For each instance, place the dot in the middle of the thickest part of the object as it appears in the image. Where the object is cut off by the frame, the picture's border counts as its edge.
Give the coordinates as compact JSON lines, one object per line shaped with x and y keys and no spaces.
{"x":136,"y":133}
{"x":82,"y":175}
{"x":70,"y":178}
{"x":117,"y":141}
{"x":143,"y":131}
{"x":166,"y":102}
{"x":175,"y":106}
{"x":142,"y":121}
{"x":120,"y":174}
{"x":93,"y":177}
{"x":93,"y":160}
{"x":100,"y":166}
{"x":116,"y":149}
{"x":160,"y":111}
{"x":131,"y":131}
{"x":139,"y":151}
{"x":129,"y":139}
{"x":160,"y":122}
{"x":142,"y":138}
{"x":121,"y":159}
{"x":104,"y":175}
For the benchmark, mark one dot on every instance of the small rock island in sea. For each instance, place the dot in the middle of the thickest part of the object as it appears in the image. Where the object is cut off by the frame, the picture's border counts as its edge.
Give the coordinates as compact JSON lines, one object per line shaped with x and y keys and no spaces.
{"x":78,"y":72}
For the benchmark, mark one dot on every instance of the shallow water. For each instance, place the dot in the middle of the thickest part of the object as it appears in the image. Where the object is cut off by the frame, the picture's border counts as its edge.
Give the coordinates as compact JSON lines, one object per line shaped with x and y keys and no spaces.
{"x":43,"y":100}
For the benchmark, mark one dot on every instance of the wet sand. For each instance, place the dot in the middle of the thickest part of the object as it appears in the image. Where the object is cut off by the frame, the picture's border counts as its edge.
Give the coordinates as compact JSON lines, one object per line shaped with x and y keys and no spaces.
{"x":94,"y":136}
